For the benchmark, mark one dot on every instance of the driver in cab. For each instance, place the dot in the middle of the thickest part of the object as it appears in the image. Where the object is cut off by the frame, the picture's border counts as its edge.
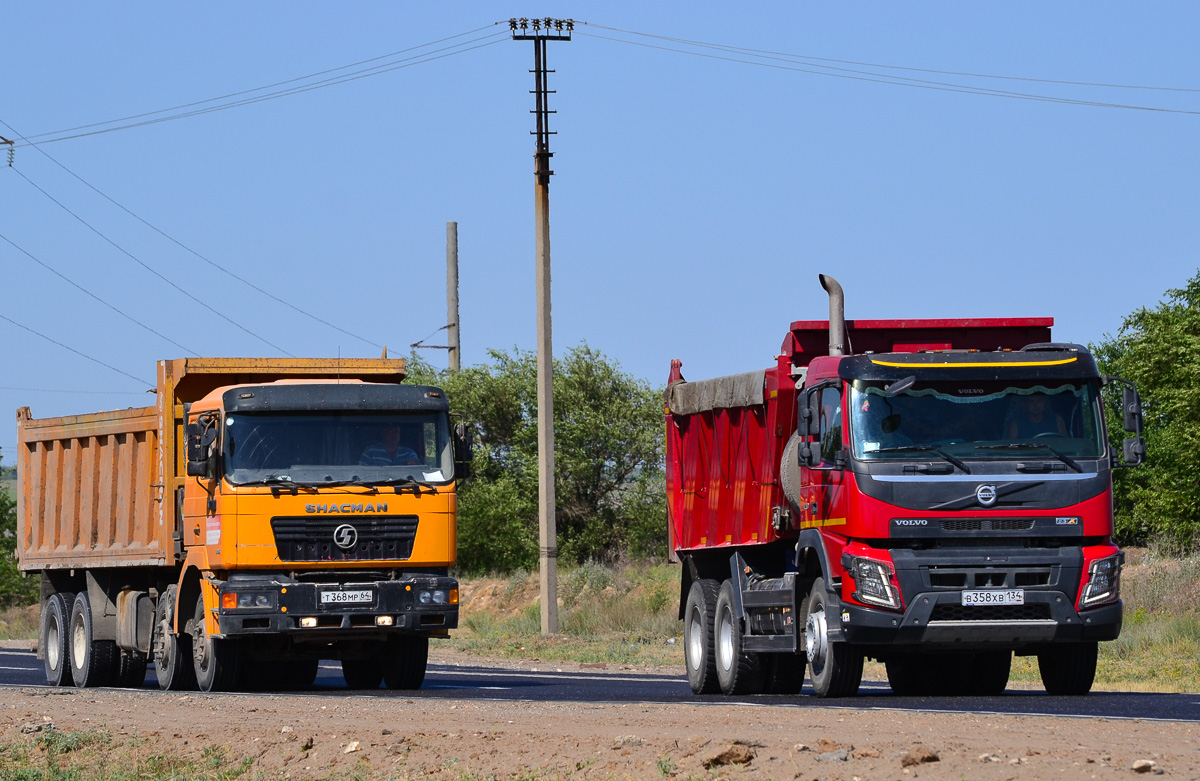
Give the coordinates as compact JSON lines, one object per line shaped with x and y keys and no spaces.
{"x":1034,"y":417}
{"x":388,"y":451}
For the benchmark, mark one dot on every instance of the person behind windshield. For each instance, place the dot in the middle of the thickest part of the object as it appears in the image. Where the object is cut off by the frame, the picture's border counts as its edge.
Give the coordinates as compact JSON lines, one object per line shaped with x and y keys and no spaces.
{"x":1034,"y":417}
{"x":388,"y":451}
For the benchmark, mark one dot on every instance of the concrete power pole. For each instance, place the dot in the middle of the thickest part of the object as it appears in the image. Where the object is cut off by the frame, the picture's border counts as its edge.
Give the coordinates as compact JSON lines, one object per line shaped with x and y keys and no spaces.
{"x":540,"y":31}
{"x":453,"y":345}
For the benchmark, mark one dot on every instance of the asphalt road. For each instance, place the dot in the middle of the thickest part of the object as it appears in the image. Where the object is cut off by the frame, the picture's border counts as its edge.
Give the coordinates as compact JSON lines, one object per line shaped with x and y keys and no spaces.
{"x":22,"y":669}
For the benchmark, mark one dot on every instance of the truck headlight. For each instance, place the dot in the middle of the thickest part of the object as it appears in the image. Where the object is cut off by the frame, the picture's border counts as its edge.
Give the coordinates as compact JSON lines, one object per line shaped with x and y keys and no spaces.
{"x":873,"y":582}
{"x":1104,"y":582}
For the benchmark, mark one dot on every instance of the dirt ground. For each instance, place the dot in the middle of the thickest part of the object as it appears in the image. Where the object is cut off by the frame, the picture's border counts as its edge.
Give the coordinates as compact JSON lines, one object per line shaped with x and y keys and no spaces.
{"x":379,"y":737}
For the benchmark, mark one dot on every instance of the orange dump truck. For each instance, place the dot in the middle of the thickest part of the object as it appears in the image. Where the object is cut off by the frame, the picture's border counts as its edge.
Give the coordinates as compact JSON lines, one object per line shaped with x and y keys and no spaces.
{"x":263,"y":515}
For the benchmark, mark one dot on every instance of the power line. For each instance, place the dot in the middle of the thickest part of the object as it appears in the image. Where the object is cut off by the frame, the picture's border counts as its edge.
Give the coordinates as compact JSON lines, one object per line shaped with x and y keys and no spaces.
{"x":92,"y":295}
{"x":177,"y":242}
{"x":146,"y":266}
{"x":898,"y":81}
{"x":408,"y":62}
{"x":75,"y":392}
{"x":71,"y":349}
{"x":747,"y":50}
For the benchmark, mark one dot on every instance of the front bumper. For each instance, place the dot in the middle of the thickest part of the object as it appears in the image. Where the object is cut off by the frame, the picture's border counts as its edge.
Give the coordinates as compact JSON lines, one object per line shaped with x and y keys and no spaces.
{"x":938,"y":619}
{"x":383,"y":606}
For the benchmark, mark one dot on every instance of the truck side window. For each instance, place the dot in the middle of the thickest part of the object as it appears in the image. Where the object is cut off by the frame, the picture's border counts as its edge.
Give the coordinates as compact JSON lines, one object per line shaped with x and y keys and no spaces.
{"x":831,"y":425}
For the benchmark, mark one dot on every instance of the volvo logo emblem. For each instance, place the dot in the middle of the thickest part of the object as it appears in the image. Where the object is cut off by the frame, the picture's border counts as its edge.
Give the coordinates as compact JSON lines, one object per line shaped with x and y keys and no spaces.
{"x":345,"y":536}
{"x":986,"y":494}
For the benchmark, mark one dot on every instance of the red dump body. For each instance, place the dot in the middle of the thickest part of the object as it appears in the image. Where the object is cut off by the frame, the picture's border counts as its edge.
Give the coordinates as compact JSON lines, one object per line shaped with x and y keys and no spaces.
{"x":724,"y":452}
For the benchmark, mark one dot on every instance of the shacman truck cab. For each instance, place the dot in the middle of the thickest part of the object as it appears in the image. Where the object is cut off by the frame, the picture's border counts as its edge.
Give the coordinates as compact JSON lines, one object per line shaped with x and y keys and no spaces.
{"x":932,"y":494}
{"x":266,"y":514}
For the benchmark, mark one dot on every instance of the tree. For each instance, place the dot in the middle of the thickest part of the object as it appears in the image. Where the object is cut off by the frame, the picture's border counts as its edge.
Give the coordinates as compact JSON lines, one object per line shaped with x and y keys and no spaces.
{"x":15,"y":589}
{"x":1159,"y":349}
{"x":609,"y":489}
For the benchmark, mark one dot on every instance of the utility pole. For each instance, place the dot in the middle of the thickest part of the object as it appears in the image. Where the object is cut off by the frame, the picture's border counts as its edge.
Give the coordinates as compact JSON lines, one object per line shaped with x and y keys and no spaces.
{"x":541,"y":31}
{"x":452,"y":295}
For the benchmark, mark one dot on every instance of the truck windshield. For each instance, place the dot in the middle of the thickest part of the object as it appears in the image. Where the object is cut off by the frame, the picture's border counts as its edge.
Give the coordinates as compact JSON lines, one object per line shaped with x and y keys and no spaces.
{"x":977,"y":420}
{"x":334,"y":448}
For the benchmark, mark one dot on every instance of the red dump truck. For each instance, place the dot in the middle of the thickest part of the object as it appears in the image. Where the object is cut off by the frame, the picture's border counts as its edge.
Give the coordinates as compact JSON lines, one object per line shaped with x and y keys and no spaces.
{"x":932,"y":494}
{"x":263,"y":515}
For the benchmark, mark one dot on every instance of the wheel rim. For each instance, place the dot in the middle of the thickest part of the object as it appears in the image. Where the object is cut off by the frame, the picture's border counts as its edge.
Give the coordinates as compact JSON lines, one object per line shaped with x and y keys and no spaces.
{"x":816,"y":639}
{"x":78,"y":642}
{"x":695,"y":645}
{"x":54,"y":643}
{"x":725,"y":641}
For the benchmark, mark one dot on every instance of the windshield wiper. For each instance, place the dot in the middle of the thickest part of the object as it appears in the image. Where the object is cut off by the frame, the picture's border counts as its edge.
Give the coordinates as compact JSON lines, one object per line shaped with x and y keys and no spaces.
{"x":1035,"y":446}
{"x":925,"y":449}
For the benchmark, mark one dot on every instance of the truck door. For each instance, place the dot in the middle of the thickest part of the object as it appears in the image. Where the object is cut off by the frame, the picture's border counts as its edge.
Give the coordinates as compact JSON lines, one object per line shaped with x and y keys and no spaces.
{"x":824,"y":500}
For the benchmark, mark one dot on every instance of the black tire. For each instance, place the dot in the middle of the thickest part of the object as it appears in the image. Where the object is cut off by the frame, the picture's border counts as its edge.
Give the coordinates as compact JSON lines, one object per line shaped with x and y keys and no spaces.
{"x":300,"y":673}
{"x":1068,"y":669}
{"x":783,"y":673}
{"x":738,"y":672}
{"x":405,"y":661}
{"x":215,"y":659}
{"x":363,"y":673}
{"x":172,"y":653}
{"x":93,"y":662}
{"x":835,"y":667}
{"x":698,"y":652}
{"x":131,"y":670}
{"x":56,"y":617}
{"x":989,"y":673}
{"x":904,"y":675}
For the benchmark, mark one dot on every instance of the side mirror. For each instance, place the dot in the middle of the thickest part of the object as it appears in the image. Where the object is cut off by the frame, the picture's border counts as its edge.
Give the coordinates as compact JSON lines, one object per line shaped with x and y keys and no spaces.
{"x":201,"y":434}
{"x":1131,"y":409}
{"x":1134,"y":451}
{"x":464,"y":450}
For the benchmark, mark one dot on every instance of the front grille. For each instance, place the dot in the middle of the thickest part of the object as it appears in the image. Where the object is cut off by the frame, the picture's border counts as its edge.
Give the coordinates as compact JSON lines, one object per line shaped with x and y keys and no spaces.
{"x":1028,"y":612}
{"x":379,"y":538}
{"x":989,"y":577}
{"x":986,"y":524}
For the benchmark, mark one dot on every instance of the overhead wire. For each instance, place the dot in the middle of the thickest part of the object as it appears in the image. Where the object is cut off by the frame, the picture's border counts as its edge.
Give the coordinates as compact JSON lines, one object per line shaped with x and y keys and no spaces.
{"x":148,"y":267}
{"x":749,"y":50}
{"x":69,"y":348}
{"x":92,"y":295}
{"x":879,"y":78}
{"x":186,"y":248}
{"x":408,"y":62}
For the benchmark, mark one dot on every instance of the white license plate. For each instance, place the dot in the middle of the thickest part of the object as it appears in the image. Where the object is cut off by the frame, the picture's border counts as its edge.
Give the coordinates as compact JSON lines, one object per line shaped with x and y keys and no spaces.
{"x":356,"y":597}
{"x":1014,"y":596}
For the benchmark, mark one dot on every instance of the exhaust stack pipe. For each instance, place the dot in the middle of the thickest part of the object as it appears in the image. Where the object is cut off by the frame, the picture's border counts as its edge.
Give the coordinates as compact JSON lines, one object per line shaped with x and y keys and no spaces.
{"x":837,"y":315}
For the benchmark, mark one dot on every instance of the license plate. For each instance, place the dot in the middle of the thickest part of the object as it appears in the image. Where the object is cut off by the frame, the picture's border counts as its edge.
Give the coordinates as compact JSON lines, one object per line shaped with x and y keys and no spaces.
{"x":1014,"y":596}
{"x":356,"y":597}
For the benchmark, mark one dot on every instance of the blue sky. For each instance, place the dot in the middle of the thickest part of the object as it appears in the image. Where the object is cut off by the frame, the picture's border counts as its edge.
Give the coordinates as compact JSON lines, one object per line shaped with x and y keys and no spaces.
{"x":695,"y":199}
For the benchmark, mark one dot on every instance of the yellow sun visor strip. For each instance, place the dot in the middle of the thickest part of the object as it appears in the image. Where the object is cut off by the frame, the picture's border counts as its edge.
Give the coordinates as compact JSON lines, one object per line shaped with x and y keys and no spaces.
{"x":993,"y":365}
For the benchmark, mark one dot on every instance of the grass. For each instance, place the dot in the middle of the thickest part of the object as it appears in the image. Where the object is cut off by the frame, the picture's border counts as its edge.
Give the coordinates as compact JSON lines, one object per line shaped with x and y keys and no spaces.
{"x":71,"y":755}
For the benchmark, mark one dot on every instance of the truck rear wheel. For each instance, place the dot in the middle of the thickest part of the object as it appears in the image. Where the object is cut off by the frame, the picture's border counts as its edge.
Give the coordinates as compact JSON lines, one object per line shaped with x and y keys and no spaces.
{"x":836,"y":667}
{"x":904,"y":675}
{"x":1069,"y":668}
{"x":55,"y":617}
{"x":363,"y":673}
{"x":131,"y":670}
{"x":407,"y":658}
{"x":698,"y":653}
{"x":214,"y":659}
{"x":989,"y":673}
{"x":737,"y":671}
{"x":172,"y":652}
{"x":93,"y":662}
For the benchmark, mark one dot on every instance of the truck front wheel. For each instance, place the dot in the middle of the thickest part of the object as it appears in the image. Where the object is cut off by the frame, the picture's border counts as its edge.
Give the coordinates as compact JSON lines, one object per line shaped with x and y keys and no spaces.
{"x":737,"y":671}
{"x":214,"y":659}
{"x":698,"y":652}
{"x":407,"y":658}
{"x":1069,"y":668}
{"x":835,"y":667}
{"x":55,"y":617}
